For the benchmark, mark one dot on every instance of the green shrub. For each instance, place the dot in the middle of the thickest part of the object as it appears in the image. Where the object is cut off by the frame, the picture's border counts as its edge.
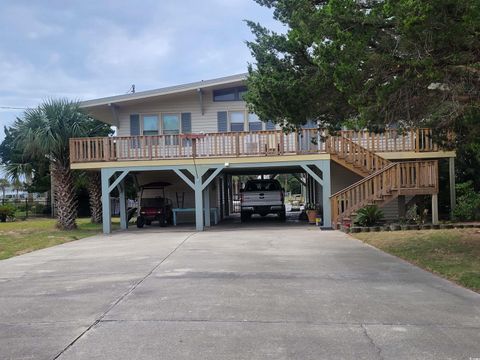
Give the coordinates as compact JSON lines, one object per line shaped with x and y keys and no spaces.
{"x":369,"y":215}
{"x":468,"y":202}
{"x":7,"y":211}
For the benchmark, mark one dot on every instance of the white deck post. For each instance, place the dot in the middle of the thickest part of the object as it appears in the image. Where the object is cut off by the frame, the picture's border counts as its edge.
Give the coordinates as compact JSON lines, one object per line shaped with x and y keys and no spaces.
{"x":435,"y":209}
{"x":206,"y":200}
{"x":106,"y":210}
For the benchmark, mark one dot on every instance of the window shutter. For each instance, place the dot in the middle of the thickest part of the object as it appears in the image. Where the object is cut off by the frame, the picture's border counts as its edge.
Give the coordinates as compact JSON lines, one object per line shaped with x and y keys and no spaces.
{"x":134,"y":124}
{"x":222,"y":117}
{"x":270,"y":125}
{"x":186,"y":123}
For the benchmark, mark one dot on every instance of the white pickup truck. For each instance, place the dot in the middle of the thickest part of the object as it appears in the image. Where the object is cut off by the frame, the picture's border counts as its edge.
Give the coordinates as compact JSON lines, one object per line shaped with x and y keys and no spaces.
{"x":262,"y":197}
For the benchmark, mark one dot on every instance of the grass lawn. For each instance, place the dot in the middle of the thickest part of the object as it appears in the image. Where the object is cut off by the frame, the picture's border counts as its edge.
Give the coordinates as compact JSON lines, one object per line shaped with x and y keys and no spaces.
{"x":20,"y":237}
{"x":453,"y":254}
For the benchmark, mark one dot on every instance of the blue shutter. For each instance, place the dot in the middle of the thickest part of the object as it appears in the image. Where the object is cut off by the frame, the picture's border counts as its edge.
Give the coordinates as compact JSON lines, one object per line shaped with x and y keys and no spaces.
{"x":186,"y":123}
{"x":135,"y":125}
{"x":222,"y":121}
{"x":270,"y":125}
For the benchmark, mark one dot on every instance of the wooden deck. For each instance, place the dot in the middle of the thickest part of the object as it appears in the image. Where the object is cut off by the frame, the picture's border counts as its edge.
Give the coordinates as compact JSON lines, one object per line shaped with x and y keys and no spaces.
{"x":362,"y":152}
{"x":240,"y":144}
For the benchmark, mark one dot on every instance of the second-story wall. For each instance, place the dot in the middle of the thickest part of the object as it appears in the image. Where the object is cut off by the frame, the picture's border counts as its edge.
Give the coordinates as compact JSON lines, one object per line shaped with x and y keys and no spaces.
{"x":188,"y":102}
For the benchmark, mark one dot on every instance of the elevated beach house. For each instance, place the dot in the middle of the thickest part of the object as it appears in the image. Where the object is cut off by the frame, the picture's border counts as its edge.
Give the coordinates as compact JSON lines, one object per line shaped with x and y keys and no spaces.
{"x":197,"y":136}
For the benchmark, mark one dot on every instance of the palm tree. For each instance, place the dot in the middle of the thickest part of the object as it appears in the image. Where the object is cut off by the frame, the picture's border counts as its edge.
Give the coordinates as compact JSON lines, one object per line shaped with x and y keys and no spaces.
{"x":17,"y":185}
{"x":4,"y":184}
{"x":45,"y":132}
{"x":94,"y":188}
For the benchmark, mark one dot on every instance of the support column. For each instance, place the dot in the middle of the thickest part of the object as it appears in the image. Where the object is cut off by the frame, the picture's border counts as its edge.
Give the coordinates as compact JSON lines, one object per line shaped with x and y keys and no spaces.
{"x":326,"y":193}
{"x":230,"y":194}
{"x":226,"y":199}
{"x":198,"y":204}
{"x":106,"y":206}
{"x":451,"y":178}
{"x":435,"y":209}
{"x":199,"y":186}
{"x":324,"y":181}
{"x":220,"y":196}
{"x":206,"y":201}
{"x":123,"y":207}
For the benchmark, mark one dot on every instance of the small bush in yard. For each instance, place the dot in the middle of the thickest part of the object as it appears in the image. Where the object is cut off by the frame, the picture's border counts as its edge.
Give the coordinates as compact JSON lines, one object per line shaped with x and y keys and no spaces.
{"x":369,"y":215}
{"x":6,"y":212}
{"x":468,"y":202}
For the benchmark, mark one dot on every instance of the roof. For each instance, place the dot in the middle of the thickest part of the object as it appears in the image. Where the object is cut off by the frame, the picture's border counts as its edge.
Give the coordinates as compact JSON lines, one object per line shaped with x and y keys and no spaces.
{"x":163,"y":91}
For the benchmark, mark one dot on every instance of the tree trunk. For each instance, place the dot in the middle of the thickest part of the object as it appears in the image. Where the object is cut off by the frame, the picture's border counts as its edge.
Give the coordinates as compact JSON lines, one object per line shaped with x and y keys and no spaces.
{"x":66,"y":201}
{"x":95,"y":194}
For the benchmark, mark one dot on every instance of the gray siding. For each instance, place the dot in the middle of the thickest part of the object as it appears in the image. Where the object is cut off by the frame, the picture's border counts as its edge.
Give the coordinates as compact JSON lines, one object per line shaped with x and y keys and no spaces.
{"x":183,"y":103}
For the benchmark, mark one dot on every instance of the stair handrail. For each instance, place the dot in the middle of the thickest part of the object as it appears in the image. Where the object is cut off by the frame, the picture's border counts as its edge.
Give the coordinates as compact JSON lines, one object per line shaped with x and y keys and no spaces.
{"x":371,"y":162}
{"x":399,"y":179}
{"x":366,"y":178}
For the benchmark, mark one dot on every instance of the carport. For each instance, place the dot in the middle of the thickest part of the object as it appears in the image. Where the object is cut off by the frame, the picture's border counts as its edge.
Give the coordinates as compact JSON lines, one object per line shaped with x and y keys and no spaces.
{"x":200,"y":176}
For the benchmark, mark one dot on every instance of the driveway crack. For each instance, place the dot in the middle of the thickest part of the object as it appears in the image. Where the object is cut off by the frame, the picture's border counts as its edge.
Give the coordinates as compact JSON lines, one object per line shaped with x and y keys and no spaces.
{"x":123,"y":296}
{"x":375,"y":346}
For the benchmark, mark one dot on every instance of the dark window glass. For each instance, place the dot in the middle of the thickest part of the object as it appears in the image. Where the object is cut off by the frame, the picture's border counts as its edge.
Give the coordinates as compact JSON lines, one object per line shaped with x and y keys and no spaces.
{"x":230,"y":94}
{"x":242,"y":90}
{"x":236,"y":127}
{"x":224,"y":95}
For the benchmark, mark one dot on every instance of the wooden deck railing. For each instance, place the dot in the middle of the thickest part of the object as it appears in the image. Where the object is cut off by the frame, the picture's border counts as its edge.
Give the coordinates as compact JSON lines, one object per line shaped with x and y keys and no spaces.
{"x":401,"y":178}
{"x":355,"y":154}
{"x":259,"y":143}
{"x":419,"y":140}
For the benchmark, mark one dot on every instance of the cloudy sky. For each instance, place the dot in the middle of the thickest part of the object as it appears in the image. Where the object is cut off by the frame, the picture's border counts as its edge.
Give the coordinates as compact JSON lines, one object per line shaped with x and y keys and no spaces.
{"x":93,"y":48}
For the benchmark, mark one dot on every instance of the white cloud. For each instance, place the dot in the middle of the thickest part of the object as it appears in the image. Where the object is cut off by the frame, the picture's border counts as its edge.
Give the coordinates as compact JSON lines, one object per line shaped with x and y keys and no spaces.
{"x":24,"y":20}
{"x":114,"y":50}
{"x":89,"y":49}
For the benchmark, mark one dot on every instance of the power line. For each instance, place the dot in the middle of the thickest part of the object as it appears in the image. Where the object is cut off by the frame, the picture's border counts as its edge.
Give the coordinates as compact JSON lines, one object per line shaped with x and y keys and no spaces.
{"x":13,"y":108}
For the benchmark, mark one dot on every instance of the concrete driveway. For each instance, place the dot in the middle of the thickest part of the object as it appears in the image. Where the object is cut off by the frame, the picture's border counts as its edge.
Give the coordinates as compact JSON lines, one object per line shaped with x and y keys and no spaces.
{"x":256,"y":292}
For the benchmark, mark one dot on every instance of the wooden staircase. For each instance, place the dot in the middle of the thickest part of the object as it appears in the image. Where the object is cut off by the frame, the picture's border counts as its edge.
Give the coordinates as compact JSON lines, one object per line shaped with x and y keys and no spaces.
{"x":383,"y":180}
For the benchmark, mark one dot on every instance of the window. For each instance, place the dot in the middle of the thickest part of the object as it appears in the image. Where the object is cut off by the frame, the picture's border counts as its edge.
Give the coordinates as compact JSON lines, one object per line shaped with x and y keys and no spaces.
{"x":171,"y":126}
{"x":224,"y":95}
{"x":241,"y":92}
{"x":230,"y":94}
{"x":150,"y":125}
{"x":237,"y":121}
{"x":254,"y":123}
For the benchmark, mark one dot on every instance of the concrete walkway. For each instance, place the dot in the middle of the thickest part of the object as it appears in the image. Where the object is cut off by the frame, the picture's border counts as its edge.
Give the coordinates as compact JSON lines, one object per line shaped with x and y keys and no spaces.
{"x":256,"y":292}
